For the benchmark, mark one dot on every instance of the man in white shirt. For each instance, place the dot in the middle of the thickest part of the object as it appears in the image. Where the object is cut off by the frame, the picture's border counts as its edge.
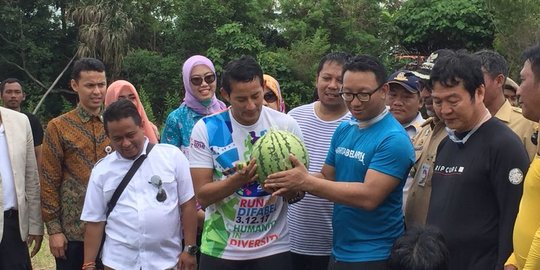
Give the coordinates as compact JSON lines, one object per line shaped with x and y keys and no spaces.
{"x":19,"y":192}
{"x":245,"y":227}
{"x":154,"y":212}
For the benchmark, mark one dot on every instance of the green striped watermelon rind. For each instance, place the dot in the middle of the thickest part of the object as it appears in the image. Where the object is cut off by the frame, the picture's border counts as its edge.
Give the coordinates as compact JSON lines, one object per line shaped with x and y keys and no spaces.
{"x":271,"y":158}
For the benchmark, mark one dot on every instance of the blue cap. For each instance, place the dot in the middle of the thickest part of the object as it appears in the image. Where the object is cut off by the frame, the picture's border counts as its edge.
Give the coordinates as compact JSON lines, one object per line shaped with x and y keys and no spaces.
{"x":405,"y":78}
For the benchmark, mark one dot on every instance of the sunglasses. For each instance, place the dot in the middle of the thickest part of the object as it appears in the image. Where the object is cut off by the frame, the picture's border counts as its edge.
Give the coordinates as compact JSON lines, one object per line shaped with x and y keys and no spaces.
{"x":270,"y":97}
{"x":198,"y":80}
{"x":161,"y":195}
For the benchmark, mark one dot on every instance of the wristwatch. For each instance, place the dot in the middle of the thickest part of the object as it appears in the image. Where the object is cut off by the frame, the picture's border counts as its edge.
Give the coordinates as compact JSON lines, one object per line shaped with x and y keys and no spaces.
{"x":191,"y":250}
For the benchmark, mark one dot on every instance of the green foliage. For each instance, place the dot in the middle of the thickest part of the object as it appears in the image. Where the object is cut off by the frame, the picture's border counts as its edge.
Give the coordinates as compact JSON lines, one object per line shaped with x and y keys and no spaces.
{"x":156,"y":74}
{"x":172,"y":101}
{"x":145,"y":101}
{"x":66,"y":105}
{"x":426,"y":25}
{"x":518,"y":27}
{"x":146,"y":42}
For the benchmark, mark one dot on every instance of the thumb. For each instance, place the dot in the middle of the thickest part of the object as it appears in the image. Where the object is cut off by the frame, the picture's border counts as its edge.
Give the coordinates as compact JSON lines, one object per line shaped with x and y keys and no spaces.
{"x":295,"y":162}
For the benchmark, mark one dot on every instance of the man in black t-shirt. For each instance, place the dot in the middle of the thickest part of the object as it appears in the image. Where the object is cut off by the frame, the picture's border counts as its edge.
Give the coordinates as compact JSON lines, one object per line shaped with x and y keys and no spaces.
{"x":12,"y":96}
{"x":478,"y":172}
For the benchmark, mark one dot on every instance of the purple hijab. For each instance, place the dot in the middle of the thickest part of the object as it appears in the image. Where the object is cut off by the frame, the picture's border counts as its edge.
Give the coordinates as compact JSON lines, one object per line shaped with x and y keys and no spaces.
{"x":190,"y":100}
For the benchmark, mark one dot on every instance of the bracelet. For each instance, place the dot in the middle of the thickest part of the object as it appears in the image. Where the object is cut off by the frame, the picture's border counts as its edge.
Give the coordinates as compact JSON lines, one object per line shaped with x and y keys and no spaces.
{"x":89,"y":265}
{"x":299,"y":196}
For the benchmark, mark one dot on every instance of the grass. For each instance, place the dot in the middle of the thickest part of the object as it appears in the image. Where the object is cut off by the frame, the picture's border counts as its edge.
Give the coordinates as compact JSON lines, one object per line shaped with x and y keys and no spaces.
{"x":44,"y":259}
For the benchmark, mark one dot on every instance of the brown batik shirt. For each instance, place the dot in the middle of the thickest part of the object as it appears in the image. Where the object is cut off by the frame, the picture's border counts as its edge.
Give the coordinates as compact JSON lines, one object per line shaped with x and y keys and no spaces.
{"x":73,"y":143}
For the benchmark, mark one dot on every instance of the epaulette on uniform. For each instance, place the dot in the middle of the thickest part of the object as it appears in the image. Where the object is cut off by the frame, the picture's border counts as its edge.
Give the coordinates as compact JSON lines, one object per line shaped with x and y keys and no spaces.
{"x":428,"y":122}
{"x":517,"y":109}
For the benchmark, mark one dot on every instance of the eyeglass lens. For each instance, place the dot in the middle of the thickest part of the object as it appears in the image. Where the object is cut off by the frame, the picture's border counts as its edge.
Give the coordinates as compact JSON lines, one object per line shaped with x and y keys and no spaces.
{"x":270,"y":97}
{"x":198,"y":80}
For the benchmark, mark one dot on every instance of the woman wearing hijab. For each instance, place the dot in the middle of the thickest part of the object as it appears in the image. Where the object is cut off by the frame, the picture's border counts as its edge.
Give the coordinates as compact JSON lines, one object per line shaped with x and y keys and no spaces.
{"x":199,"y":76}
{"x":125,"y":90}
{"x":272,"y":94}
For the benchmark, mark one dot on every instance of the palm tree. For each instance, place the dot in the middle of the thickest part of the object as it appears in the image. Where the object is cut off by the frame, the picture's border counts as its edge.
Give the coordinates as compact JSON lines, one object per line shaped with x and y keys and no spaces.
{"x":104,"y":31}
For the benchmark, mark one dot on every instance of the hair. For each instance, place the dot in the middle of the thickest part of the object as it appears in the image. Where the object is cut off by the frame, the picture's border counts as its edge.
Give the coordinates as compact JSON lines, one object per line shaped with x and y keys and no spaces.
{"x":532,"y":54}
{"x":458,"y":67}
{"x":493,"y":63}
{"x":366,"y":63}
{"x":244,"y":69}
{"x":119,"y":110}
{"x":419,"y":249}
{"x":337,"y":57}
{"x":86,"y":64}
{"x":6,"y":81}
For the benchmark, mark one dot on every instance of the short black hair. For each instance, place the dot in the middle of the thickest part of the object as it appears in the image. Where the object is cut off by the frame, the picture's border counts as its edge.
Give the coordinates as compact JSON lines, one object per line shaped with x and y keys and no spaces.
{"x":532,"y":54}
{"x":338,"y":57}
{"x":493,"y":63}
{"x":366,"y":63}
{"x":86,"y":64}
{"x":244,"y":69}
{"x":9,"y":80}
{"x":118,"y":110}
{"x":419,"y":249}
{"x":458,"y":67}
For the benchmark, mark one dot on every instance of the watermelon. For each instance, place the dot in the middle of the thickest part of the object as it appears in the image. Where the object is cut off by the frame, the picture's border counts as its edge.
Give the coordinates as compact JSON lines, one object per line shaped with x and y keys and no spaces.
{"x":271,"y":153}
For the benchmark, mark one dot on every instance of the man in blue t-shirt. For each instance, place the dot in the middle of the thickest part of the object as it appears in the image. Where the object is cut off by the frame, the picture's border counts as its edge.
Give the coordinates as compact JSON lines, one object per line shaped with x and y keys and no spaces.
{"x":368,"y":162}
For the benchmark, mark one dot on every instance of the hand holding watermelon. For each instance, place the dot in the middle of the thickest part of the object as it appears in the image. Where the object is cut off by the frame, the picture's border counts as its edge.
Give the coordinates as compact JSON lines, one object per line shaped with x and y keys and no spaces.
{"x":290,"y":181}
{"x":246,"y":173}
{"x":272,"y":152}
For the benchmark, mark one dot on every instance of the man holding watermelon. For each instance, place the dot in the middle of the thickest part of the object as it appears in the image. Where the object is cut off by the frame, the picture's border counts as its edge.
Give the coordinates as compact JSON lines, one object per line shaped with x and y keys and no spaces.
{"x":245,"y":227}
{"x":367,"y":164}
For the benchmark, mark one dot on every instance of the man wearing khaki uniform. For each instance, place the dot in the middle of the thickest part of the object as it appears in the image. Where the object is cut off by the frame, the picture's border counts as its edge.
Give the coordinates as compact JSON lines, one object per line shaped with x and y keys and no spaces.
{"x":495,"y":71}
{"x":425,"y":144}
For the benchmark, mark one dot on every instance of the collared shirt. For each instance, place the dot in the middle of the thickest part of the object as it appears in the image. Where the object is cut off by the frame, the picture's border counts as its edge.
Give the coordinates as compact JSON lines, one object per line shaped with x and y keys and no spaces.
{"x":141,"y":231}
{"x":523,"y":127}
{"x":178,"y":127}
{"x":414,"y":126}
{"x":425,"y":145}
{"x":73,"y":143}
{"x":6,"y":174}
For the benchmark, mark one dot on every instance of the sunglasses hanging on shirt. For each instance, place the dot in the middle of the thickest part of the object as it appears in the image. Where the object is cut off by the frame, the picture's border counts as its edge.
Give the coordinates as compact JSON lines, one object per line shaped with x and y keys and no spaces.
{"x":155,"y":181}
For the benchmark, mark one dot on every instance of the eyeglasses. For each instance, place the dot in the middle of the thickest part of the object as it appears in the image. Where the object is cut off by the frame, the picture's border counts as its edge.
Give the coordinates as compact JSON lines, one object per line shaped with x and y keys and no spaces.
{"x":362,"y":96}
{"x":270,"y":97}
{"x":161,"y":195}
{"x":198,"y":80}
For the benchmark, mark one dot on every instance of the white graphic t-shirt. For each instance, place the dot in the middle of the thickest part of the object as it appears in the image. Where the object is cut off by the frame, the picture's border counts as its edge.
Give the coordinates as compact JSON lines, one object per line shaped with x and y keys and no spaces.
{"x":248,"y":224}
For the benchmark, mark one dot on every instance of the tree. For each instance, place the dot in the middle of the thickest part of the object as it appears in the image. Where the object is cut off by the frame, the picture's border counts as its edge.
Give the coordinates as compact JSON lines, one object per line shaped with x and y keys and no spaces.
{"x":36,"y":45}
{"x":517,"y":27}
{"x":427,"y":25}
{"x":104,"y":31}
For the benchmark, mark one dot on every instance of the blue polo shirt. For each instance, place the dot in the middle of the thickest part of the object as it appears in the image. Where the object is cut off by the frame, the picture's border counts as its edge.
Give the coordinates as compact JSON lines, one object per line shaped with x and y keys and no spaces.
{"x":361,"y":235}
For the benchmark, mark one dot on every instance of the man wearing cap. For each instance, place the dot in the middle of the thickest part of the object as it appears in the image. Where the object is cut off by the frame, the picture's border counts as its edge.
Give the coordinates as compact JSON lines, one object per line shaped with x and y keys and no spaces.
{"x":404,"y":101}
{"x":510,"y":91}
{"x":495,"y":71}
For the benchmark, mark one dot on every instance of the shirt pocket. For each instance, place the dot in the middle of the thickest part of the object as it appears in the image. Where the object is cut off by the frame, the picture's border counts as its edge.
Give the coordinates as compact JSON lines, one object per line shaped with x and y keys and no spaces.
{"x":169,"y":186}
